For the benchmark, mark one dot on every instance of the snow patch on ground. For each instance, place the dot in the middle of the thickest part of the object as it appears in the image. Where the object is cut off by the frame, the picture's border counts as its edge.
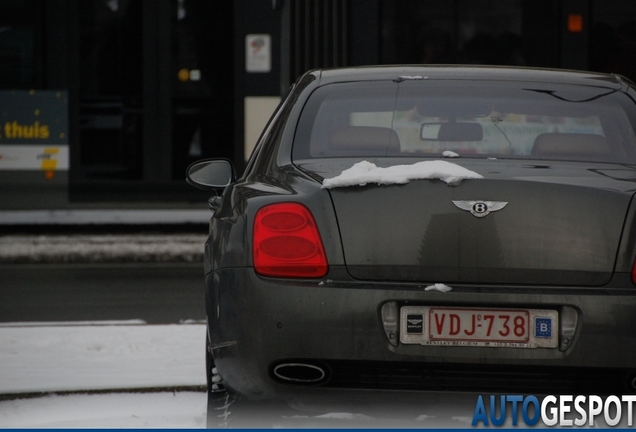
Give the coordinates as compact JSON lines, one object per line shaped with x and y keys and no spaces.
{"x":67,"y":358}
{"x":19,"y":249}
{"x":94,"y":355}
{"x":366,"y":172}
{"x":148,"y":410}
{"x":99,"y":355}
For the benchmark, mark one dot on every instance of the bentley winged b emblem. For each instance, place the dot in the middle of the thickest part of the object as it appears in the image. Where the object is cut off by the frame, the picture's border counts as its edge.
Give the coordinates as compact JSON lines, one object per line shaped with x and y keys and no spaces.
{"x":480,"y":209}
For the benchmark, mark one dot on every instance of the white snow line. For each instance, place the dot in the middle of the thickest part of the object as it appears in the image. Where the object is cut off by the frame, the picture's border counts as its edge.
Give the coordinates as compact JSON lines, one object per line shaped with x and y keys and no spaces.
{"x":74,"y":323}
{"x":192,"y":321}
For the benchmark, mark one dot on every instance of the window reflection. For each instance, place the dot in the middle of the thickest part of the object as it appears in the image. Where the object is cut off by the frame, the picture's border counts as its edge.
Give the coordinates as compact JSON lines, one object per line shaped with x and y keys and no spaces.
{"x":19,"y":42}
{"x":201,"y":92}
{"x":110,"y":89}
{"x":492,"y":32}
{"x":613,"y":38}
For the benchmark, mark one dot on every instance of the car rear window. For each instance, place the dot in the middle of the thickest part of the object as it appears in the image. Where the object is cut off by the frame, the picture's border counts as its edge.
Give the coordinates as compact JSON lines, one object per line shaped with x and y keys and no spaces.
{"x":420,"y":118}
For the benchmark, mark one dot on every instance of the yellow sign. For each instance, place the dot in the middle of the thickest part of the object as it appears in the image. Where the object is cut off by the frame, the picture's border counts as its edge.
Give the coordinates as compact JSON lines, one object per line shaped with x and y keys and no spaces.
{"x":48,"y":158}
{"x":15,"y":130}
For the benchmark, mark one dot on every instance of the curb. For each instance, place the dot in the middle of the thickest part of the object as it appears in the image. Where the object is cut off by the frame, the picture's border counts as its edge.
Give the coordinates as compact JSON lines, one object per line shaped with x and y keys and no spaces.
{"x":33,"y":395}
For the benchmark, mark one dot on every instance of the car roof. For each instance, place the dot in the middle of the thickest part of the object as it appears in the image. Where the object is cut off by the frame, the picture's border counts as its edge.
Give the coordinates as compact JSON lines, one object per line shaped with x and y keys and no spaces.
{"x":470,"y":72}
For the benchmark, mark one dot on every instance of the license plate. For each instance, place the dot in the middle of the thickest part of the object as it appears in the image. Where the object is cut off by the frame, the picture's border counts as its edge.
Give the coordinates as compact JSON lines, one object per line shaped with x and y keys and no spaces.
{"x":479,"y":327}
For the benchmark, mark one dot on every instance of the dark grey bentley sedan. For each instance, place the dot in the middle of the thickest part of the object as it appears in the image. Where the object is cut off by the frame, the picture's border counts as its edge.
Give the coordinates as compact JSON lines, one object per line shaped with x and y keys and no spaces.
{"x":408,"y":229}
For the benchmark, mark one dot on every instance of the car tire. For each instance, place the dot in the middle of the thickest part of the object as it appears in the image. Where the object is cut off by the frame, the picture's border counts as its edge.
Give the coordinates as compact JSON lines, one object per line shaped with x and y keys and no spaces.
{"x":226,"y":409}
{"x":219,"y":399}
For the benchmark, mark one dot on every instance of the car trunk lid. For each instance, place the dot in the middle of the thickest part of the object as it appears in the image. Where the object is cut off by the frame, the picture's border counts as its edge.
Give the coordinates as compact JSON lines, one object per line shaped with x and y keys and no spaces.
{"x":554,"y":230}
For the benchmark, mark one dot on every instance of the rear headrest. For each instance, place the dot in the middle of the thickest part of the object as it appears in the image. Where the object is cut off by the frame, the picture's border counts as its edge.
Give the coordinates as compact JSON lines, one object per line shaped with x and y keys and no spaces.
{"x":364,"y":138}
{"x":570,"y":144}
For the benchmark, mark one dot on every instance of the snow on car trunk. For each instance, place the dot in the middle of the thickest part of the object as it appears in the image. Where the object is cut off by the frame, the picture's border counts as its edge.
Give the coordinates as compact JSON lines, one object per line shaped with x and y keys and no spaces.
{"x":498,"y":230}
{"x":365,"y":172}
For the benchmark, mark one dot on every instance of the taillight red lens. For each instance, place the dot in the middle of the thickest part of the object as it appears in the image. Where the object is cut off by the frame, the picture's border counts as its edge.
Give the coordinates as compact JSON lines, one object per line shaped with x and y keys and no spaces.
{"x":287,"y":242}
{"x":634,"y":273}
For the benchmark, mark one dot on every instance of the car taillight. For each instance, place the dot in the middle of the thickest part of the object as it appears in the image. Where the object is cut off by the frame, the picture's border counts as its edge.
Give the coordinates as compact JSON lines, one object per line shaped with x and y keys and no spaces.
{"x":634,"y":273}
{"x":287,"y":243}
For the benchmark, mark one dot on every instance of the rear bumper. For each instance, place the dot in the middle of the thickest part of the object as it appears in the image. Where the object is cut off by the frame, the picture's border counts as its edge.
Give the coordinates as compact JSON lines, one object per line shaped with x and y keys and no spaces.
{"x":257,"y":324}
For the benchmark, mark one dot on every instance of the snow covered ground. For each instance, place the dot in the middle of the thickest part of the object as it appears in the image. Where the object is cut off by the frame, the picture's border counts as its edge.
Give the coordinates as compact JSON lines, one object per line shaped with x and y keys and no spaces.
{"x":106,"y":375}
{"x":127,"y":410}
{"x":110,"y":375}
{"x":92,"y":357}
{"x":70,"y":357}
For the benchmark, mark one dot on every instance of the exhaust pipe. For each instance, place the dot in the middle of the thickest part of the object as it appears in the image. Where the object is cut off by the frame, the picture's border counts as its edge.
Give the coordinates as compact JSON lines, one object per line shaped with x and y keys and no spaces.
{"x":300,"y":373}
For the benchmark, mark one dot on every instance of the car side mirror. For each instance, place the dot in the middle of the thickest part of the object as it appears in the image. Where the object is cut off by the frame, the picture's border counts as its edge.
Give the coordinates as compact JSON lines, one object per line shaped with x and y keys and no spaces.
{"x":210,"y":174}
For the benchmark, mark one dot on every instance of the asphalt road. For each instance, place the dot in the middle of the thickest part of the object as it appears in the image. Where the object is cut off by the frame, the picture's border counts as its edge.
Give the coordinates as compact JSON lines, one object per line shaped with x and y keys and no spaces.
{"x":158,"y":293}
